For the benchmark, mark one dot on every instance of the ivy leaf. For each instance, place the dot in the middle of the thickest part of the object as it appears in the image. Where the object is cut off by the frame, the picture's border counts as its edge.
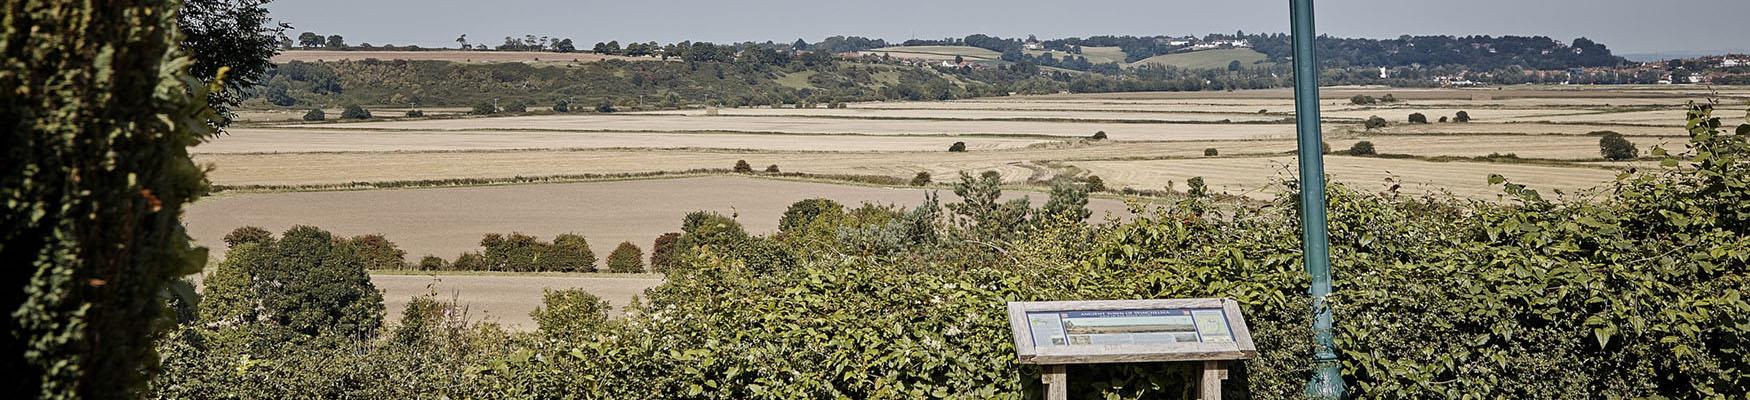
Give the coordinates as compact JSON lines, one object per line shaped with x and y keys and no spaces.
{"x":1603,"y":334}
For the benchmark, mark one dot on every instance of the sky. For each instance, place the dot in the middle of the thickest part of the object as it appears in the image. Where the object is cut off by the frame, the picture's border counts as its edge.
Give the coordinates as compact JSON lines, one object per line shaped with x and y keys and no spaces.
{"x":1627,"y":26}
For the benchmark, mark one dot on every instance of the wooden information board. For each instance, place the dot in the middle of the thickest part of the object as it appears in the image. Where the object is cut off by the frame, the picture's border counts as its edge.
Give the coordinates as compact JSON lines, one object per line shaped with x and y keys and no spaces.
{"x":1058,"y":333}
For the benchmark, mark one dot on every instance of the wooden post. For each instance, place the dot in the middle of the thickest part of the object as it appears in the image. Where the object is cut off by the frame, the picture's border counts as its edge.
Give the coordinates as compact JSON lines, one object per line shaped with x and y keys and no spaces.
{"x":1213,"y":373}
{"x":1056,"y":378}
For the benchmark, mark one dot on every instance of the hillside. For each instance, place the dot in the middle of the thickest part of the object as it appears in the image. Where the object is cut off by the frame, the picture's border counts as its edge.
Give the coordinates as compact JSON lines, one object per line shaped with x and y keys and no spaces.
{"x":1094,"y":54}
{"x":445,"y":55}
{"x":1207,"y":59}
{"x":938,"y":52}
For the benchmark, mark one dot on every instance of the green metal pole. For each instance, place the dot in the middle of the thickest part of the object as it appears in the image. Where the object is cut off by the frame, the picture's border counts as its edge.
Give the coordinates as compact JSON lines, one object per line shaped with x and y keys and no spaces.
{"x":1327,"y":378}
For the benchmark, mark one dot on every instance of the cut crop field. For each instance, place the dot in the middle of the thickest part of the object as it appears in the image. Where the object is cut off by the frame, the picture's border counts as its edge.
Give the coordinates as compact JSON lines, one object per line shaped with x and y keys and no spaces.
{"x":813,"y":125}
{"x":448,"y":221}
{"x":507,"y":299}
{"x":1254,"y":177}
{"x":995,"y":115}
{"x":276,"y":140}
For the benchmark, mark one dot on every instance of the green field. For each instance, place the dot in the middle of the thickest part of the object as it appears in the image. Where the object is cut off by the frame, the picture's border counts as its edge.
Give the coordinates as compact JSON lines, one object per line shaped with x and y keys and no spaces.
{"x":1207,"y":59}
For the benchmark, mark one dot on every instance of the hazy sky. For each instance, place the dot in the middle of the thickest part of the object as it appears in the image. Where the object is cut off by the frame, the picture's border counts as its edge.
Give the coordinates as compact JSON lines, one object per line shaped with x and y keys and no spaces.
{"x":1627,"y":26}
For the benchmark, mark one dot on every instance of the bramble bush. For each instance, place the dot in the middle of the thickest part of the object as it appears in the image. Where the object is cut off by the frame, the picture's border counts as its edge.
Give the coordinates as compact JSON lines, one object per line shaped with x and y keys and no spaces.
{"x":1633,"y":291}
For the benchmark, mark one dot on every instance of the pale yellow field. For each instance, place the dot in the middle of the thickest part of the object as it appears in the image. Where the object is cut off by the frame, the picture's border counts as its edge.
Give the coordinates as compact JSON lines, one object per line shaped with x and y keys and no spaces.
{"x":635,"y":123}
{"x":1530,"y":129}
{"x":272,"y":140}
{"x":1255,"y":177}
{"x":966,"y":114}
{"x":507,"y":299}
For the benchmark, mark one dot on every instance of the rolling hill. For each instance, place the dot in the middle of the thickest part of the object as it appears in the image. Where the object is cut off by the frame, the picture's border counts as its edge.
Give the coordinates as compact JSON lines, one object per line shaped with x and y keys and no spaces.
{"x":1207,"y":59}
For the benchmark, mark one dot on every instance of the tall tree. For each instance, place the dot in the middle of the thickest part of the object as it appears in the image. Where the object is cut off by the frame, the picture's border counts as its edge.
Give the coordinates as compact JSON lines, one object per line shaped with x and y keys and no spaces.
{"x":94,"y":168}
{"x":310,"y":40}
{"x":335,"y":42}
{"x":231,"y":34}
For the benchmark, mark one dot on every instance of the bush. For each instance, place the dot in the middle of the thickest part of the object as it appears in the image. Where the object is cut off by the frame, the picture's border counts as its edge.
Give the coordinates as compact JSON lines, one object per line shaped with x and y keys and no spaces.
{"x":415,"y":114}
{"x":433,"y":263}
{"x":1362,"y":148}
{"x":1388,"y":98}
{"x":1211,"y":152}
{"x":1101,"y":135}
{"x":1362,"y":100}
{"x":315,"y":114}
{"x":571,"y":253}
{"x":1461,"y":117}
{"x":805,"y":212}
{"x":627,"y":258}
{"x":1443,"y":119}
{"x":1614,"y":147}
{"x":516,"y":107}
{"x":742,"y":167}
{"x":605,"y":107}
{"x":957,"y":147}
{"x":570,"y":314}
{"x":562,"y":106}
{"x":307,"y":282}
{"x":1095,"y":184}
{"x":378,"y":252}
{"x":353,"y":111}
{"x":484,"y":108}
{"x":1418,"y":118}
{"x":921,"y":179}
{"x":247,"y":234}
{"x":662,"y":253}
{"x":772,"y":169}
{"x":1375,"y":122}
{"x":1325,"y":147}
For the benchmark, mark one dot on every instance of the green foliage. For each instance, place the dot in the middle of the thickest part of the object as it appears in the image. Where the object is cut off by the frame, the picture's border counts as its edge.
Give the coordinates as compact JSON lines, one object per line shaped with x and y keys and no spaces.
{"x":1362,"y":148}
{"x":247,"y":234}
{"x":99,"y":109}
{"x":571,"y":253}
{"x":1461,"y":117}
{"x":626,"y":258}
{"x":563,"y":106}
{"x":1095,"y":184}
{"x":484,"y":108}
{"x":1418,"y":118}
{"x":571,"y":314}
{"x":742,"y":167}
{"x":1614,"y":147}
{"x":1443,"y":119}
{"x":354,"y":111}
{"x":433,"y":263}
{"x":1101,"y":135}
{"x":662,"y":252}
{"x":378,"y":252}
{"x":315,"y":114}
{"x":1375,"y":122}
{"x":516,"y":107}
{"x":1211,"y":152}
{"x":1068,"y":201}
{"x":957,"y":147}
{"x":921,"y":179}
{"x":1362,"y":100}
{"x":517,"y":252}
{"x":306,"y":282}
{"x":805,"y":212}
{"x":772,"y":169}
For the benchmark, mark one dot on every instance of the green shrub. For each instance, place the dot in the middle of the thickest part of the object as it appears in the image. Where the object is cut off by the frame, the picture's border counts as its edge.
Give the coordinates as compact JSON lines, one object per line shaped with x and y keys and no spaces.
{"x":570,"y":314}
{"x":247,"y":234}
{"x":1101,"y":135}
{"x":805,"y":212}
{"x":1095,"y":184}
{"x":1362,"y":100}
{"x":626,"y":258}
{"x":1375,"y":122}
{"x":516,"y":107}
{"x":1211,"y":152}
{"x":307,"y":282}
{"x":742,"y":167}
{"x":921,"y":179}
{"x":1362,"y":148}
{"x":1443,"y":119}
{"x":484,"y":108}
{"x":1614,"y":147}
{"x":662,"y":252}
{"x":315,"y":114}
{"x":415,"y":114}
{"x":353,"y":111}
{"x":563,"y":106}
{"x":772,"y":169}
{"x":433,"y":263}
{"x":571,"y":253}
{"x":1461,"y":117}
{"x":378,"y":252}
{"x":957,"y":147}
{"x":1418,"y":118}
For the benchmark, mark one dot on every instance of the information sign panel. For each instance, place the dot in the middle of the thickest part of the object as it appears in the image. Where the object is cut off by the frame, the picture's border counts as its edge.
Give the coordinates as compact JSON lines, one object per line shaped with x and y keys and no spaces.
{"x":1081,"y":332}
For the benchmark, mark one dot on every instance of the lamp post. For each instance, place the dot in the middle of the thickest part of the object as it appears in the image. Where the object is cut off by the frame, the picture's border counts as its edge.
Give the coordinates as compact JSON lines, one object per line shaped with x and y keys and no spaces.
{"x":1327,"y":378}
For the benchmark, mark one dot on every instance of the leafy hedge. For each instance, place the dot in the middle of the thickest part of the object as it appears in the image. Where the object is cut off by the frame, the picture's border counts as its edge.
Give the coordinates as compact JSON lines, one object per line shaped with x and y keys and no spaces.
{"x":1636,"y":290}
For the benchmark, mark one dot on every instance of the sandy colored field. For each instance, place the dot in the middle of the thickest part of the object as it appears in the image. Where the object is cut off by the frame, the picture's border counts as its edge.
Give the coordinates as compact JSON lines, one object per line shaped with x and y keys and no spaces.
{"x":448,"y":221}
{"x":507,"y":299}
{"x":1542,"y":147}
{"x":1401,"y":114}
{"x":1162,"y":116}
{"x":286,"y":140}
{"x":1530,"y":129}
{"x":1671,"y":118}
{"x":1117,"y":131}
{"x":1253,"y":177}
{"x":1243,"y":107}
{"x":446,"y":55}
{"x":297,"y":114}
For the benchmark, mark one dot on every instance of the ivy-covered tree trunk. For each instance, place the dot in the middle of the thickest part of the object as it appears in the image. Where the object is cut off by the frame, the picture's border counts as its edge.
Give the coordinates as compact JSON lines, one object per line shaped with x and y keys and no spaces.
{"x":97,"y":115}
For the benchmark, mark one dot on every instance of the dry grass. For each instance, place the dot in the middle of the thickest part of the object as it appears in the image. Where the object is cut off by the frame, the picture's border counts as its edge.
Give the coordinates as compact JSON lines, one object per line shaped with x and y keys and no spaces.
{"x":447,"y":55}
{"x":270,"y":140}
{"x":990,"y":114}
{"x":669,"y":123}
{"x":1254,"y":177}
{"x":507,"y":299}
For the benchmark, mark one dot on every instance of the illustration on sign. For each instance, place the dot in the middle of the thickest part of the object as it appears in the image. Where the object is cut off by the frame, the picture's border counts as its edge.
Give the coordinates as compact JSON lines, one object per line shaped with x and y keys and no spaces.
{"x":1129,"y":327}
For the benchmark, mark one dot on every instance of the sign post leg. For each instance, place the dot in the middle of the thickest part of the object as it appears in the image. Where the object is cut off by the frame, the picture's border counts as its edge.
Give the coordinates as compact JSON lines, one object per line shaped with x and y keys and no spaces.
{"x":1213,"y":373}
{"x":1056,"y":378}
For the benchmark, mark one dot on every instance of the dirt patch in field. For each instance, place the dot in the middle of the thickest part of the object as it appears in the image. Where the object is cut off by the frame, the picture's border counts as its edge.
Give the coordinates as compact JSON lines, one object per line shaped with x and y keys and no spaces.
{"x":506,"y":299}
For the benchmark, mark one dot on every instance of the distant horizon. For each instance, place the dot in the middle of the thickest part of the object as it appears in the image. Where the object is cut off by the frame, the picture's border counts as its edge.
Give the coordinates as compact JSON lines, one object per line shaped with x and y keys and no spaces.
{"x":1626,"y":27}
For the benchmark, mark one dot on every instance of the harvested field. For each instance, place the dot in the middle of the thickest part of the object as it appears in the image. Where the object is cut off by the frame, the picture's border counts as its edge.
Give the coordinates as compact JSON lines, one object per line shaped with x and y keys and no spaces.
{"x":662,"y":123}
{"x":1578,"y":148}
{"x":995,"y":115}
{"x":272,"y":140}
{"x":1254,"y":177}
{"x":1530,"y":129}
{"x":446,"y":55}
{"x":448,"y":221}
{"x":507,"y":299}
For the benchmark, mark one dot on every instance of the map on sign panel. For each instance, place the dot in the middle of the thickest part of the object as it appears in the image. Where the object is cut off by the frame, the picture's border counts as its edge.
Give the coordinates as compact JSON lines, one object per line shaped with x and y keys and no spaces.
{"x":1129,"y":327}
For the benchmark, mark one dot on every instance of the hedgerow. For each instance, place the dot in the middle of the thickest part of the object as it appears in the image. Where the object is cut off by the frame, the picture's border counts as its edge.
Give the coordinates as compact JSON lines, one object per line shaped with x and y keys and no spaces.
{"x":1635,"y":290}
